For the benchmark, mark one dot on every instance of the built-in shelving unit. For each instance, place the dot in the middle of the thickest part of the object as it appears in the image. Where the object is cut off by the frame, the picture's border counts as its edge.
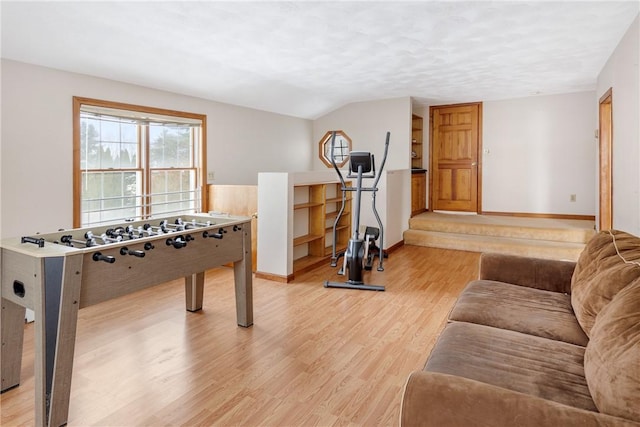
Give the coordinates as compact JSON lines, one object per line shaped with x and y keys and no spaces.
{"x":418,"y":174}
{"x":316,"y":207}
{"x":416,"y":142}
{"x":296,"y":213}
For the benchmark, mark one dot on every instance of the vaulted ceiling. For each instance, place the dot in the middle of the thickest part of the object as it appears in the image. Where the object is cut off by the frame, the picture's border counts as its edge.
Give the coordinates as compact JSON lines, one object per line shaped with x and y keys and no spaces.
{"x":307,"y":58}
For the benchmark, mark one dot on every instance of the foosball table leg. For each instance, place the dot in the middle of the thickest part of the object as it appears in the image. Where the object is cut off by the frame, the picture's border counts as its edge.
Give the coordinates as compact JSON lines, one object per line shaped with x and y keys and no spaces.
{"x":65,"y":341}
{"x":12,"y":337}
{"x":194,"y":290}
{"x":243,"y":276}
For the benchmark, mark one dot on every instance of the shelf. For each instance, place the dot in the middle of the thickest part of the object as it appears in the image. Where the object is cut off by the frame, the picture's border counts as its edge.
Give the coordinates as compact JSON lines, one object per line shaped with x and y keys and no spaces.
{"x":338,"y":228}
{"x":305,"y":239}
{"x":416,"y":141}
{"x":306,"y":205}
{"x":335,"y":200}
{"x":329,"y":250}
{"x":334,"y":214}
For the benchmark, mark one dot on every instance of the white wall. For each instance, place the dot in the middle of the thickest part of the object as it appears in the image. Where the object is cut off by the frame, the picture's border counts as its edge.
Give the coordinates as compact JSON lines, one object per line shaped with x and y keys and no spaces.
{"x":0,"y":159}
{"x":275,"y":227}
{"x":36,"y":169}
{"x":396,"y":191}
{"x":367,"y":124}
{"x":621,"y":74}
{"x":537,"y":152}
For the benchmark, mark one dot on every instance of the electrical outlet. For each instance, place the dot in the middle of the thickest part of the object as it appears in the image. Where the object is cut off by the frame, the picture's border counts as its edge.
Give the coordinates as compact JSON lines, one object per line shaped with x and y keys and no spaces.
{"x":572,"y":198}
{"x":211,"y":176}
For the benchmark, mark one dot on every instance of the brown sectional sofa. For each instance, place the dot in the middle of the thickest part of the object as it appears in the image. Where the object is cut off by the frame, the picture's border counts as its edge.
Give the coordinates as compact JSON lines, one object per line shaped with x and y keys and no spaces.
{"x":537,"y":342}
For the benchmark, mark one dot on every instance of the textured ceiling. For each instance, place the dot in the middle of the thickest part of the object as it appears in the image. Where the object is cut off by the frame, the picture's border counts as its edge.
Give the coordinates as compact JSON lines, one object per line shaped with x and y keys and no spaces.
{"x":307,"y":58}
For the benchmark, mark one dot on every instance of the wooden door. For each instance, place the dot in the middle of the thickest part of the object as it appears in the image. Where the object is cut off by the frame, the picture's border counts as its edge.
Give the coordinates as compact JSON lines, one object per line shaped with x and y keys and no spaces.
{"x":455,"y":144}
{"x":241,"y":200}
{"x":605,"y":136}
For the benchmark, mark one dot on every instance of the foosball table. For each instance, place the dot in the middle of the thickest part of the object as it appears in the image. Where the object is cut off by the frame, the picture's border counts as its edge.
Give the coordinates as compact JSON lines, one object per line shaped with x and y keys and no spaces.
{"x":56,"y":274}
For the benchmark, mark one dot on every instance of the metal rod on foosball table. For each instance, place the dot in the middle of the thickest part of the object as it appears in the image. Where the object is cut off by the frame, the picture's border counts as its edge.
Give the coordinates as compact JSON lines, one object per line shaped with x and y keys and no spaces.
{"x":69,"y":240}
{"x":131,"y":232}
{"x":151,"y":230}
{"x":167,"y":227}
{"x":194,"y":223}
{"x":105,"y":239}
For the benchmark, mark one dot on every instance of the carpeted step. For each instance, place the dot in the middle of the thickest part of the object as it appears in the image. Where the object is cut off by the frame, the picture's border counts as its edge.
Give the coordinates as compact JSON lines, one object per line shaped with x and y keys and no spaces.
{"x":497,"y":244}
{"x":539,"y":229}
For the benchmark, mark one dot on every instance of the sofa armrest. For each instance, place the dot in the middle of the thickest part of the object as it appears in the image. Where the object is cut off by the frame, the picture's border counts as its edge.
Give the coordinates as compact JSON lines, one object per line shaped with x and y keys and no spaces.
{"x":545,"y":274}
{"x":441,"y":400}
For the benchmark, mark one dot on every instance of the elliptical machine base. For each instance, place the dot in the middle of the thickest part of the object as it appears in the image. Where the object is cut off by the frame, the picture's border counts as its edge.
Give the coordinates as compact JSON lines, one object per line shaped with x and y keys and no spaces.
{"x":349,"y":285}
{"x":353,"y":259}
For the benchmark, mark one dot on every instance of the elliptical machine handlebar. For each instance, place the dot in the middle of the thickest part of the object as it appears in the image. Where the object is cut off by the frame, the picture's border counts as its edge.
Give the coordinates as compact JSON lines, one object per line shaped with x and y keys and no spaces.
{"x":333,"y":158}
{"x":384,"y":160}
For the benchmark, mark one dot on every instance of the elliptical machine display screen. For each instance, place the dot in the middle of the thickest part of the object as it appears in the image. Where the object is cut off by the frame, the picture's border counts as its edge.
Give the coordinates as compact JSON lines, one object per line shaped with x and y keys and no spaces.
{"x":364,"y":159}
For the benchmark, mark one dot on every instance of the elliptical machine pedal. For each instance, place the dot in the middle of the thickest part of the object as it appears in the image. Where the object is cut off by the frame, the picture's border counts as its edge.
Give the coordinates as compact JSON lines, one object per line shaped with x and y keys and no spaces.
{"x":370,"y":249}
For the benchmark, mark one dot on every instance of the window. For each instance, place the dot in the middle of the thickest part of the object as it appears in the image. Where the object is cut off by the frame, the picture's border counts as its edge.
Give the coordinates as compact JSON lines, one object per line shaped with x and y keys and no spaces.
{"x":341,"y":148}
{"x":136,"y":162}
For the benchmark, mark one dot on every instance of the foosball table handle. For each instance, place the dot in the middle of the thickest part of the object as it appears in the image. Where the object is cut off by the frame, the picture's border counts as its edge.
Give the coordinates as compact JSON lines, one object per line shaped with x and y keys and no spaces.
{"x":39,"y":242}
{"x":97,"y":256}
{"x":218,"y":235}
{"x":176,"y":243}
{"x":126,"y":251}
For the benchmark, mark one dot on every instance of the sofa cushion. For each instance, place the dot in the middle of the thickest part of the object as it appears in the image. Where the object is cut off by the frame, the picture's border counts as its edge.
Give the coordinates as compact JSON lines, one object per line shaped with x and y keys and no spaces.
{"x":432,"y":399}
{"x":519,"y":308}
{"x":541,"y":367}
{"x":547,"y":274}
{"x":601,"y":272}
{"x":612,"y":357}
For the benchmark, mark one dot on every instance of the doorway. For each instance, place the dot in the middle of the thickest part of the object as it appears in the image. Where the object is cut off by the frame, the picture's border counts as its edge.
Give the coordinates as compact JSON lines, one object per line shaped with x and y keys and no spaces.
{"x":455,"y":144}
{"x":605,"y":138}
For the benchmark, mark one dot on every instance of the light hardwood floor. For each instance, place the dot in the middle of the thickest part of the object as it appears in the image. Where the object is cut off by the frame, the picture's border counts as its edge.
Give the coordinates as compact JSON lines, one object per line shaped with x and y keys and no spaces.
{"x":315,"y":356}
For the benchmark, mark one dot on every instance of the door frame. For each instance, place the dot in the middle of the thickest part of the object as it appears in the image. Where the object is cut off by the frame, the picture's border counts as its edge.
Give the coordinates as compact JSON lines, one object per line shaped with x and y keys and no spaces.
{"x":605,"y":169}
{"x":478,"y":155}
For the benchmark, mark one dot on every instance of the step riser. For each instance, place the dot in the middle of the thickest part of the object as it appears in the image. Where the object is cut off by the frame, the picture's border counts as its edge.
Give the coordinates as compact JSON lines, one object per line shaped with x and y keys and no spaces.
{"x":532,"y":233}
{"x":531,"y":248}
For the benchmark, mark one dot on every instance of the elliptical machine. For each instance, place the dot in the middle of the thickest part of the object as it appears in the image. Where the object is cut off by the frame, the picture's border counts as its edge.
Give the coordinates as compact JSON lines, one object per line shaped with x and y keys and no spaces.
{"x":360,"y":252}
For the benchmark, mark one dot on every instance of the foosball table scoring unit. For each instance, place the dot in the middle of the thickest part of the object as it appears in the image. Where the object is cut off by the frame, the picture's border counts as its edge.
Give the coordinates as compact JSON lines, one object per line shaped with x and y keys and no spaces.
{"x":56,"y":274}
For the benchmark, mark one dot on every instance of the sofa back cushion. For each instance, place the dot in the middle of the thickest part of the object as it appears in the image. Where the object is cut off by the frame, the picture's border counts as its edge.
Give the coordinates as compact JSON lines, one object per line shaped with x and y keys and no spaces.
{"x":601,"y":272}
{"x":612,"y":357}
